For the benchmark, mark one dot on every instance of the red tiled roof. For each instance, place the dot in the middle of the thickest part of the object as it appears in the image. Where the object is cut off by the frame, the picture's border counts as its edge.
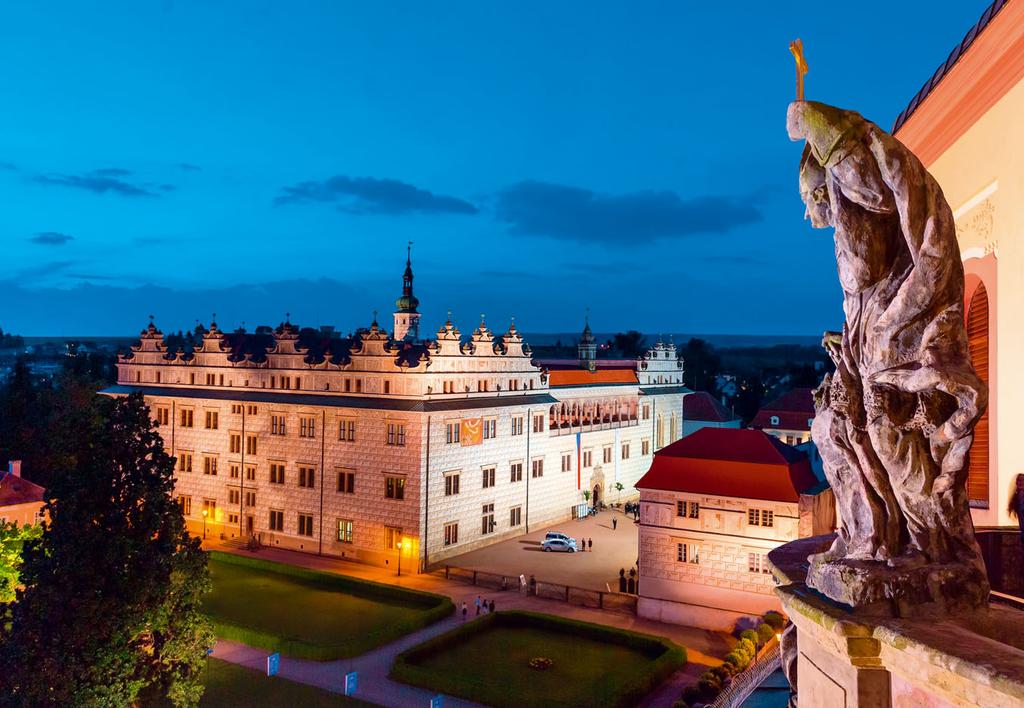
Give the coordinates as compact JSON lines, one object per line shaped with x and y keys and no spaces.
{"x":17,"y":490}
{"x":577,"y":376}
{"x":794,"y":409}
{"x":701,"y":405}
{"x":731,"y":462}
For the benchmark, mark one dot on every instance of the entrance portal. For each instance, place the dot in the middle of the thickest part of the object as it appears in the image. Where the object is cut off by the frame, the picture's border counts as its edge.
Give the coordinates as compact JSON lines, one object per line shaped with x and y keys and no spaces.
{"x":597,"y":494}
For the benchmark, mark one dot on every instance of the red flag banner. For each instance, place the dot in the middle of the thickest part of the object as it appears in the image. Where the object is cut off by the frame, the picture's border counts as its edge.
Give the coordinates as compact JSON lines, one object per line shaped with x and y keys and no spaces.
{"x":471,"y":431}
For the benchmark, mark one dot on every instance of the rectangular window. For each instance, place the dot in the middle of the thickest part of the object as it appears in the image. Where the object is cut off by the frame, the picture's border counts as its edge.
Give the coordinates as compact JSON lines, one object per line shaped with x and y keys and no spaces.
{"x":186,"y":505}
{"x":305,"y":524}
{"x":184,"y":461}
{"x":276,"y":520}
{"x":451,"y":534}
{"x":567,"y":462}
{"x":515,"y":516}
{"x":387,"y":386}
{"x":234,"y":497}
{"x":396,"y":434}
{"x":307,"y":477}
{"x":767,"y":517}
{"x":250,"y":473}
{"x":277,"y":473}
{"x":517,"y":471}
{"x":488,"y":477}
{"x":235,"y":443}
{"x":646,"y":412}
{"x":158,"y":377}
{"x":606,"y":454}
{"x":517,"y":425}
{"x":538,"y":423}
{"x":251,"y":409}
{"x":588,"y":458}
{"x":680,"y":508}
{"x":345,"y":530}
{"x":210,"y":466}
{"x":537,"y":468}
{"x":210,"y":509}
{"x":250,"y":444}
{"x":163,"y":416}
{"x":392,"y":537}
{"x":394,"y":487}
{"x":277,"y":424}
{"x":212,"y":420}
{"x":307,"y":426}
{"x":490,"y":428}
{"x":758,"y":563}
{"x":645,"y":447}
{"x":487,"y":523}
{"x":346,"y":481}
{"x":232,"y":518}
{"x":625,"y":451}
{"x":694,"y":510}
{"x":186,"y":417}
{"x":236,"y":408}
{"x":688,"y":553}
{"x":250,"y":498}
{"x":451,"y":484}
{"x":234,"y":470}
{"x":760,"y":517}
{"x":347,"y":429}
{"x":451,"y":433}
{"x":211,"y":379}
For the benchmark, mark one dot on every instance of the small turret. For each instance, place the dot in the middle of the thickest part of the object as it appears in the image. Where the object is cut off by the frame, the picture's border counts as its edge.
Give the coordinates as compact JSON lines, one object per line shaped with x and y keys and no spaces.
{"x":407,"y":318}
{"x":587,"y":348}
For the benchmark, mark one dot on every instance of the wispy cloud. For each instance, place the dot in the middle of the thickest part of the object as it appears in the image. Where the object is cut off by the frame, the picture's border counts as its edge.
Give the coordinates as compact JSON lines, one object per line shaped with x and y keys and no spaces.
{"x":104,"y":180}
{"x":370,"y":195}
{"x":8,"y":166}
{"x":51,"y":238}
{"x":189,"y":167}
{"x":576,"y":214}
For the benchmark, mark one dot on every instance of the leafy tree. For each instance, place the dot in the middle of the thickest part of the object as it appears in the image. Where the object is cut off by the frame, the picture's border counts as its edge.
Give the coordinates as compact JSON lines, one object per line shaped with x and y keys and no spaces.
{"x":111,"y":603}
{"x":619,"y":488}
{"x":12,"y":539}
{"x":629,"y":344}
{"x":702,"y":366}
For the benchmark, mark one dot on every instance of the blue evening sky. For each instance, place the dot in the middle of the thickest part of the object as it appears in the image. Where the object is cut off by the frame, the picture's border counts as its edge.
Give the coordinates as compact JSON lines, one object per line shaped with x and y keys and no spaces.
{"x":257,"y":158}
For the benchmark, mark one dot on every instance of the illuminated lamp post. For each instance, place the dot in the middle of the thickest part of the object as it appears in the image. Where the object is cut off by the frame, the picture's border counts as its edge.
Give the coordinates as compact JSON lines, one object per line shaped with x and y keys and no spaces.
{"x":399,"y":547}
{"x":205,"y":512}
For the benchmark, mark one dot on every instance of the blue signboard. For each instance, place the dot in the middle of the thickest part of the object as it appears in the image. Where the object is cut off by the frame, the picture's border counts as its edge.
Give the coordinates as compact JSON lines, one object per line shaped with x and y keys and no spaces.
{"x":273,"y":664}
{"x":351,"y":682}
{"x":437,"y":701}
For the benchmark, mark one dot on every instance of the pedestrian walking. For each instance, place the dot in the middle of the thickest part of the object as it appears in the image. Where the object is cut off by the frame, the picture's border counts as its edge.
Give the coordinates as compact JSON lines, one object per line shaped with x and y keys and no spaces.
{"x":590,"y":545}
{"x":492,"y":607}
{"x":477,"y":605}
{"x":615,"y":523}
{"x":486,"y":607}
{"x":464,"y":610}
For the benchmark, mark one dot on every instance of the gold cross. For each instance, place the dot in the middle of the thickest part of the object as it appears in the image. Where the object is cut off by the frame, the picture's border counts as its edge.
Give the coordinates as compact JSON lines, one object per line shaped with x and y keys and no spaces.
{"x":796,"y":47}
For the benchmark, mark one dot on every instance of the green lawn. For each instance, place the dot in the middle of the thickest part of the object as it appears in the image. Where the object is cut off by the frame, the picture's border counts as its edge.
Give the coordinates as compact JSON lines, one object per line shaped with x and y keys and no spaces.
{"x":488,"y":661}
{"x":308,"y":614}
{"x":233,"y":685}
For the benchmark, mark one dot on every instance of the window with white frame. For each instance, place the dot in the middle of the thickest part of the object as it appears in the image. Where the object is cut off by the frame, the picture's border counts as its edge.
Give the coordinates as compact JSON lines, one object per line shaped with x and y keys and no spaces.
{"x":567,"y":462}
{"x":277,"y":424}
{"x":451,"y":484}
{"x":516,"y":469}
{"x":451,"y":533}
{"x":487,"y":473}
{"x":347,"y":429}
{"x":688,"y":553}
{"x":451,"y":433}
{"x":761,"y":517}
{"x":537,"y":468}
{"x":345,"y":527}
{"x":490,"y":428}
{"x":588,"y":458}
{"x":517,"y":425}
{"x":396,"y":434}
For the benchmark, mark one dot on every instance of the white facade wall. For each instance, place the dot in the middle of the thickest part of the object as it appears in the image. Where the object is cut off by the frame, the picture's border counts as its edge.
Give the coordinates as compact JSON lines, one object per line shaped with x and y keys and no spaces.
{"x":720,"y":587}
{"x":482,"y":381}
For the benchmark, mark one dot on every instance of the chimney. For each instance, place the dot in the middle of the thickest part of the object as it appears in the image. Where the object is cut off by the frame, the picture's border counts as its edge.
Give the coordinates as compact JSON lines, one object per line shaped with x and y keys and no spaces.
{"x":14,"y":467}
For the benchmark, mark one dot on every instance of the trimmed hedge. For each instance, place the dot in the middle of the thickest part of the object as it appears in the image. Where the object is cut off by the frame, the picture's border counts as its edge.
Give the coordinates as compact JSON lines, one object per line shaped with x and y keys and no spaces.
{"x":665,"y":656}
{"x":434,"y":608}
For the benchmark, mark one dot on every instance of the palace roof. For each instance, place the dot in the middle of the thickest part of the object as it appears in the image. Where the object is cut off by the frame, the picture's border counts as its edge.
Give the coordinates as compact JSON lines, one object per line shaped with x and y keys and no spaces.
{"x":731,"y":462}
{"x":794,"y":410}
{"x":701,"y":405}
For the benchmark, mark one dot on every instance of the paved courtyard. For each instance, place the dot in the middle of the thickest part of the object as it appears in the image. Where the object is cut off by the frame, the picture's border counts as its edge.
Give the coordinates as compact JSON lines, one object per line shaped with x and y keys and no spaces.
{"x":593,"y":570}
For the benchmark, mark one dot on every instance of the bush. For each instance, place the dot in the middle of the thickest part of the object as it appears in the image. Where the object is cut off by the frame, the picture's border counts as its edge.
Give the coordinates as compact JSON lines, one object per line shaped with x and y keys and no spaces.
{"x":740,"y":661}
{"x":775,"y":620}
{"x":749,"y":634}
{"x":748,"y":647}
{"x":690,"y":695}
{"x":709,"y":685}
{"x":765,"y":633}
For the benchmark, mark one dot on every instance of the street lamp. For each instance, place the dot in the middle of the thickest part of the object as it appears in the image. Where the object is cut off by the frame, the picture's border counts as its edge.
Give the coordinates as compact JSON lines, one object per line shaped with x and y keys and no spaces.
{"x":399,"y":547}
{"x":205,"y":512}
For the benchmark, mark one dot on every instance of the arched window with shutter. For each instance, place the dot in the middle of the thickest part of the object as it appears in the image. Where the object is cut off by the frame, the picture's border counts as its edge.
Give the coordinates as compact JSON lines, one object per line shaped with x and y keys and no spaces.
{"x":977,"y":340}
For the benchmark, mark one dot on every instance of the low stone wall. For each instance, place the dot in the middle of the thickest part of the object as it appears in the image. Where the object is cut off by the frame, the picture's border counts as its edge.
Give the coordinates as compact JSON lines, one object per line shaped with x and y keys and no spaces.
{"x":583,"y":597}
{"x":848,"y":659}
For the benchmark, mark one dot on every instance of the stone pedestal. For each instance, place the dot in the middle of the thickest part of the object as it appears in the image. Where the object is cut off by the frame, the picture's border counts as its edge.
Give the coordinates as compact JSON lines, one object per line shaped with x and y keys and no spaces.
{"x":849,"y":659}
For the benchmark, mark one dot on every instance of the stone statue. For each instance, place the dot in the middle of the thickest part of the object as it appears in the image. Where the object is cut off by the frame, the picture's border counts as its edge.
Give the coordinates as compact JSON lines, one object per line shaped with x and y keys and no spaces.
{"x":894,"y":422}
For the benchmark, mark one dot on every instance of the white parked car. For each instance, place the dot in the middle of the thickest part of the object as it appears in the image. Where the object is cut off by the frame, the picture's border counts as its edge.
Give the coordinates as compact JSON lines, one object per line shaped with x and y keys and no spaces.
{"x":567,"y":545}
{"x":554,"y":534}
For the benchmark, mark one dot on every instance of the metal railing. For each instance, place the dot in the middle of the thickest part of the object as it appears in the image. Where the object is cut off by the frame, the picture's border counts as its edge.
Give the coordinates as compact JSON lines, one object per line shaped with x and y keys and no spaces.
{"x":744,"y":683}
{"x":584,"y":597}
